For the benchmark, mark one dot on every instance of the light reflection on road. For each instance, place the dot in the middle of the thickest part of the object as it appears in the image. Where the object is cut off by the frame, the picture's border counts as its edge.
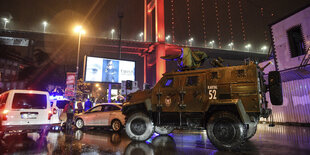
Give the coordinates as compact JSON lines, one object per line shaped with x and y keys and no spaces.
{"x":277,"y":140}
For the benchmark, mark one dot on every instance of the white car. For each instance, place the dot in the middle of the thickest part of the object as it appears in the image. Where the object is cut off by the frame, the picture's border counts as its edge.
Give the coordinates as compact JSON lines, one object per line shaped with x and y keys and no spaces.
{"x":23,"y":111}
{"x":58,"y":106}
{"x":107,"y":114}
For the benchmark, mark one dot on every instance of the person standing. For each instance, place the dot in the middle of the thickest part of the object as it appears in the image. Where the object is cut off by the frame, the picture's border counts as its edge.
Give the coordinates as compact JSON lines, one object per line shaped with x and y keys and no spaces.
{"x":88,"y":105}
{"x":80,"y":107}
{"x":69,"y":110}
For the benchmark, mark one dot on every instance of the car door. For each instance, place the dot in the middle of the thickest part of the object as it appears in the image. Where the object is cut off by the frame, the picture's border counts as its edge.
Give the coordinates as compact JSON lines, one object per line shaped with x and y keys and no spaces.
{"x":168,"y":93}
{"x":104,"y":116}
{"x":90,"y":118}
{"x":115,"y":113}
{"x":30,"y":108}
{"x":194,"y":95}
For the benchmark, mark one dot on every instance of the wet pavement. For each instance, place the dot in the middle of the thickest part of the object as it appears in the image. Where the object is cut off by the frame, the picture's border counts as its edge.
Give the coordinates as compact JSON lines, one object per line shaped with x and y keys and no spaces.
{"x":277,"y":140}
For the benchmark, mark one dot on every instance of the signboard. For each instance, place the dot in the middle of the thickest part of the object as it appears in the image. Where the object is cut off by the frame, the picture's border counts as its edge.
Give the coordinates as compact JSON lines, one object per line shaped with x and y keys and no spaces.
{"x":14,"y":41}
{"x":108,"y":70}
{"x":70,"y":84}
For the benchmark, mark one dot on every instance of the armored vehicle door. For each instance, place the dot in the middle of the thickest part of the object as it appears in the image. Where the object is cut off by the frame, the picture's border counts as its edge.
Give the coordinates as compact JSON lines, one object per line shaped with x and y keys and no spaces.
{"x":166,"y":94}
{"x":193,"y":89}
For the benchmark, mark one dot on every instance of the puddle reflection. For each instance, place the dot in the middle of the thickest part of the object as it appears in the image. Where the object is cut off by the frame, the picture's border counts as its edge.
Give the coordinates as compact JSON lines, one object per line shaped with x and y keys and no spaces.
{"x":280,"y":139}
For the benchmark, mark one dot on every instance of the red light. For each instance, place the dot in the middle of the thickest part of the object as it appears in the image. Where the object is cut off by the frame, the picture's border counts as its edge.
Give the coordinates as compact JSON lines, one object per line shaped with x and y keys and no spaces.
{"x":54,"y":111}
{"x":50,"y":115}
{"x":5,"y":115}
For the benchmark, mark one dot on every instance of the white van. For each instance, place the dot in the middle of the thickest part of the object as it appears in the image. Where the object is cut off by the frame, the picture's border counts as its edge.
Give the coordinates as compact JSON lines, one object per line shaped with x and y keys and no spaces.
{"x":23,"y":111}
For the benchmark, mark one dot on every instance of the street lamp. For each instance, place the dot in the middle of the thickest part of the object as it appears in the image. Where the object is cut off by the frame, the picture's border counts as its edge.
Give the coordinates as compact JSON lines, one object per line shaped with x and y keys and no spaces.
{"x":168,"y":38}
{"x":78,"y":29}
{"x":191,"y":41}
{"x":141,"y":36}
{"x":44,"y":25}
{"x":264,"y":48}
{"x":212,"y":43}
{"x":248,"y":46}
{"x":5,"y":22}
{"x":231,"y":45}
{"x":112,"y":32}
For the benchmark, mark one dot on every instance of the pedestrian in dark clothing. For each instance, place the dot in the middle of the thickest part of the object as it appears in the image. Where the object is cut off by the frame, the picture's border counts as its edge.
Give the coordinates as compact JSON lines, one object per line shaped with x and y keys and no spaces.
{"x":69,"y":110}
{"x":88,"y":105}
{"x":80,"y":107}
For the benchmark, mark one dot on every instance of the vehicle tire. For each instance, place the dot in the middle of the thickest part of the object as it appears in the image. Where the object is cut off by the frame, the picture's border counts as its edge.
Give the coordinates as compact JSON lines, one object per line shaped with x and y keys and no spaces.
{"x":225,"y":131}
{"x":275,"y":88}
{"x":79,"y":123}
{"x":139,"y":127}
{"x":116,"y":125}
{"x":164,"y":130}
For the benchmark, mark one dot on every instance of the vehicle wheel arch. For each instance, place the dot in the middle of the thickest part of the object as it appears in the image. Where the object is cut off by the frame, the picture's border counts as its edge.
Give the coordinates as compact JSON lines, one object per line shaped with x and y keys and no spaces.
{"x":138,"y":107}
{"x":234,"y":106}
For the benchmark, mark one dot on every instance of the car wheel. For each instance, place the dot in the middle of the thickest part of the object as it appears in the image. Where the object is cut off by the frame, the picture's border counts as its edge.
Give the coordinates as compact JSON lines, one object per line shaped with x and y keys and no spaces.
{"x":139,"y":127}
{"x":164,"y":130}
{"x":79,"y":123}
{"x":116,"y":125}
{"x":225,"y":131}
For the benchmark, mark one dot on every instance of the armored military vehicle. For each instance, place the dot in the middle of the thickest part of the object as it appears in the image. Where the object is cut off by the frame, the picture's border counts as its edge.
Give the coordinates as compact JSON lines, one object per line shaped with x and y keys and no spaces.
{"x":226,"y":101}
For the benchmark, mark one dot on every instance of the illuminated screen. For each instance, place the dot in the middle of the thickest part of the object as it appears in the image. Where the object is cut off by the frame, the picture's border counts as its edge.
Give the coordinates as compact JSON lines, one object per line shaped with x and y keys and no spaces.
{"x":108,"y":70}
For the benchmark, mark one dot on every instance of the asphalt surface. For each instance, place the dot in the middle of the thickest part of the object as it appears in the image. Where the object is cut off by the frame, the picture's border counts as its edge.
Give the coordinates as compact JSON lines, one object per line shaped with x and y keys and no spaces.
{"x":277,"y":140}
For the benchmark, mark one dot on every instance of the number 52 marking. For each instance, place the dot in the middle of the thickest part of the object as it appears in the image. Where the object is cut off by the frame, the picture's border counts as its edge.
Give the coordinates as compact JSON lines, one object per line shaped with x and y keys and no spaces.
{"x":212,"y":94}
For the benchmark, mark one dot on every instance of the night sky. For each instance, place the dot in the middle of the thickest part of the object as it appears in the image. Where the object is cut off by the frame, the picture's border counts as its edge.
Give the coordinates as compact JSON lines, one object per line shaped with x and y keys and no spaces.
{"x":100,"y":16}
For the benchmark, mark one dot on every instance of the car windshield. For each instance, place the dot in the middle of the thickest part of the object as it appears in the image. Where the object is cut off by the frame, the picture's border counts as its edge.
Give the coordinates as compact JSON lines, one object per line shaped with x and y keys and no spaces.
{"x":62,"y":104}
{"x":29,"y":101}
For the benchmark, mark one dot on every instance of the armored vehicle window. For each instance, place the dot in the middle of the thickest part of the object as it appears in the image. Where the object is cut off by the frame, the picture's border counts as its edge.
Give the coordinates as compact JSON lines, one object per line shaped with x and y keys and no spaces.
{"x":168,"y":82}
{"x":214,"y":75}
{"x":192,"y":81}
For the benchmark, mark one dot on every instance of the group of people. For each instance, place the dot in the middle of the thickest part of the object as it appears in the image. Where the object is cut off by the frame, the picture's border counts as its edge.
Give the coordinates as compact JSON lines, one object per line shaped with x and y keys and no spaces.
{"x":69,"y":111}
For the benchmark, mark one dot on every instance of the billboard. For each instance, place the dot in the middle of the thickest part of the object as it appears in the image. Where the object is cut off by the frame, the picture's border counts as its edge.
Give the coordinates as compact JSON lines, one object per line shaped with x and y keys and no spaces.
{"x":108,"y":70}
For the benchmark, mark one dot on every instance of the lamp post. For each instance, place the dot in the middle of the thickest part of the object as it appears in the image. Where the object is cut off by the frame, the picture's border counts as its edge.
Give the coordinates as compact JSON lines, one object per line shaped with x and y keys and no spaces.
{"x":264,"y":48}
{"x":5,"y":22}
{"x":112,"y":32}
{"x":248,"y":46}
{"x":44,"y":25}
{"x":191,"y":41}
{"x":212,"y":43}
{"x":168,"y":38}
{"x":78,"y":29}
{"x":231,"y":45}
{"x":141,"y":36}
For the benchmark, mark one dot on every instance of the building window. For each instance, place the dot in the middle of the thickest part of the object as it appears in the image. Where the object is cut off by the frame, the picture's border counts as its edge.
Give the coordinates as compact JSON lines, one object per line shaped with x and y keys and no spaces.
{"x":168,"y":82}
{"x":296,"y":41}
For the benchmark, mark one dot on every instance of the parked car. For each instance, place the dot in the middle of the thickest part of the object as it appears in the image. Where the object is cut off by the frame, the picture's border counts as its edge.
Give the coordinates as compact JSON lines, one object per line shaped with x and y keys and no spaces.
{"x":58,"y":105}
{"x":23,"y":111}
{"x":107,"y":114}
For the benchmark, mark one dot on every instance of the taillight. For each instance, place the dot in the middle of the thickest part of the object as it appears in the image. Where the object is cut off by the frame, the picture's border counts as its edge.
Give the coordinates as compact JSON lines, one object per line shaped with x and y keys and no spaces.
{"x":5,"y":115}
{"x":50,"y":115}
{"x":54,"y":111}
